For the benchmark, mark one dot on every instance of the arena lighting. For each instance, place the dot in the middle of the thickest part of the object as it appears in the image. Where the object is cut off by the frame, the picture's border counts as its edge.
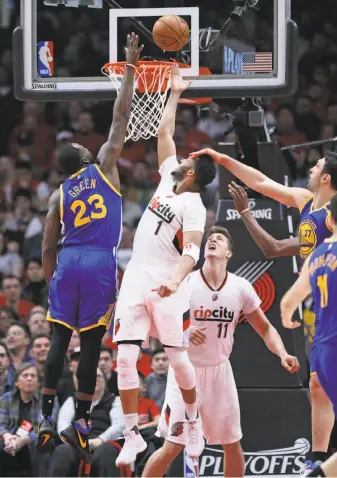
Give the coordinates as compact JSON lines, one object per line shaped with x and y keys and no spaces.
{"x":74,"y":3}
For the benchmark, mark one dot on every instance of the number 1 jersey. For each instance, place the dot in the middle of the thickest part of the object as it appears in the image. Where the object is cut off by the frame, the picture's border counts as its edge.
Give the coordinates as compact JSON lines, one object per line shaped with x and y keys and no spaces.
{"x":160,"y":231}
{"x":90,"y":210}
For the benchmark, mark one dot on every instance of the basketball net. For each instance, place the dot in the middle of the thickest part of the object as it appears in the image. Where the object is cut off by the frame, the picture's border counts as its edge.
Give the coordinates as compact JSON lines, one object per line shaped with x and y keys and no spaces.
{"x":149,"y":97}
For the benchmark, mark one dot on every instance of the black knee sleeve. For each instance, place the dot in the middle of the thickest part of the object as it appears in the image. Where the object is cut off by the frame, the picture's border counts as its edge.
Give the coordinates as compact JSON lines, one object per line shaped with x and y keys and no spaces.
{"x":90,"y":351}
{"x":59,"y":343}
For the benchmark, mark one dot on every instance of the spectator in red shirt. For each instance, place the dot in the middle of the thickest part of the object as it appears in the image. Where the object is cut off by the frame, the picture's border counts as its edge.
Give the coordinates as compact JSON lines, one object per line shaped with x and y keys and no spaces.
{"x":148,"y":411}
{"x":11,"y":289}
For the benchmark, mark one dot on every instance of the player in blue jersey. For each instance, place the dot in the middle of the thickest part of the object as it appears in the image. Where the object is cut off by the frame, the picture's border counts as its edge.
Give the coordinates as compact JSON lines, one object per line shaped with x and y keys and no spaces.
{"x":87,"y":211}
{"x":314,"y":207}
{"x":319,"y":277}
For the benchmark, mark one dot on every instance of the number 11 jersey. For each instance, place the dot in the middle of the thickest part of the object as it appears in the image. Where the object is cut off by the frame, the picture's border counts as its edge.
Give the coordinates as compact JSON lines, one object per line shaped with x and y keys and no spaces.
{"x":160,"y":231}
{"x":216,"y":313}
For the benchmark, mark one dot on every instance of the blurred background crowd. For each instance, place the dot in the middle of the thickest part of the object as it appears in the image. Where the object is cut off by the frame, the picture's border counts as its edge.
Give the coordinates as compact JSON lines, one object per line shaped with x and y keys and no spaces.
{"x":31,"y":135}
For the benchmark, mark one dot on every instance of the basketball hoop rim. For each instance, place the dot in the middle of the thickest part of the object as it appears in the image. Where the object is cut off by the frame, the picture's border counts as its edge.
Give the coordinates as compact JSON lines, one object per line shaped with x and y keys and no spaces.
{"x":141,"y":65}
{"x":150,"y":66}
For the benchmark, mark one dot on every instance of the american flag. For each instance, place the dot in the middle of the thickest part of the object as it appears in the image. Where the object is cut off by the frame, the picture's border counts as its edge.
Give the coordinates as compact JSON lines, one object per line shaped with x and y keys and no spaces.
{"x":257,"y":62}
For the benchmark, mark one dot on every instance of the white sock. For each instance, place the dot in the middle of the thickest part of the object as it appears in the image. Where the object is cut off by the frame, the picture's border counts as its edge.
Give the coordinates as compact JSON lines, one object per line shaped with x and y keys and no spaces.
{"x":131,"y":420}
{"x":191,"y":410}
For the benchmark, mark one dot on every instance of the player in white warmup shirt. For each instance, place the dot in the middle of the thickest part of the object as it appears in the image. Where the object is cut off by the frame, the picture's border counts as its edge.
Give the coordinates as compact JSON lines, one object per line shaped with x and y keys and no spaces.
{"x":153,"y":299}
{"x":217,"y":298}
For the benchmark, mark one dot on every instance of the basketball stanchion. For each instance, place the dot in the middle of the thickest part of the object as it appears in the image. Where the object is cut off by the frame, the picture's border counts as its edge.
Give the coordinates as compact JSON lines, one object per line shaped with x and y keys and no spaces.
{"x":309,"y":144}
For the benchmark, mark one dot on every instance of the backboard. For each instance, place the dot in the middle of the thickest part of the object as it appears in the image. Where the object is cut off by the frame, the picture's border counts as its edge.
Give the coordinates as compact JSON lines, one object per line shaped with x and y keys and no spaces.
{"x":249,"y":46}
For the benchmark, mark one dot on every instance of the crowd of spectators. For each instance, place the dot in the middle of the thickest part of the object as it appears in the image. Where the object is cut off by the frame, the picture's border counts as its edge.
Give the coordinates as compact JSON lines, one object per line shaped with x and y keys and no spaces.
{"x":31,"y":135}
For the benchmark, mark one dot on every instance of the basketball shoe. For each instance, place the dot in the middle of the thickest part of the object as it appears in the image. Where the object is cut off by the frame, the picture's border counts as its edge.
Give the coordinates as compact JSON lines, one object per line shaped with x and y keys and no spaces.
{"x":195,"y":442}
{"x":77,"y":437}
{"x":134,"y":444}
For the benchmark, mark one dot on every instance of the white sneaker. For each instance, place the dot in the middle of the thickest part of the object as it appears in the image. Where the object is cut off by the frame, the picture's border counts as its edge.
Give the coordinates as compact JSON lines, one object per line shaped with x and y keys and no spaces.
{"x":134,"y":444}
{"x":195,"y":442}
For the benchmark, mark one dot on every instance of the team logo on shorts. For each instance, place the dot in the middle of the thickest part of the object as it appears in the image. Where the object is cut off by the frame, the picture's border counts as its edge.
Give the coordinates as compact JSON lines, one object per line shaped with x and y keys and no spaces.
{"x":117,"y":326}
{"x":308,"y":238}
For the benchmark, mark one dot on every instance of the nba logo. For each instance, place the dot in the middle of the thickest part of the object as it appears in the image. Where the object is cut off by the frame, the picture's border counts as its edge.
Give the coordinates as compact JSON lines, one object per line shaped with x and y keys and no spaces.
{"x":45,"y":59}
{"x":191,"y":466}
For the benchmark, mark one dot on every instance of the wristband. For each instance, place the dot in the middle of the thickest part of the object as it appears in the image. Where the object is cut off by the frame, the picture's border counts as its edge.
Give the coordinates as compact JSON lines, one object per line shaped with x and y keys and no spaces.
{"x":132,"y":66}
{"x":245,"y":210}
{"x":192,"y":250}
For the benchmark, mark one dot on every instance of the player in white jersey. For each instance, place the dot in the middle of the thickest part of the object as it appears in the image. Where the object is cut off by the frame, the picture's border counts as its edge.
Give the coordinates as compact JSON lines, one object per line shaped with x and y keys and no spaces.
{"x":153,"y":299}
{"x":217,"y":299}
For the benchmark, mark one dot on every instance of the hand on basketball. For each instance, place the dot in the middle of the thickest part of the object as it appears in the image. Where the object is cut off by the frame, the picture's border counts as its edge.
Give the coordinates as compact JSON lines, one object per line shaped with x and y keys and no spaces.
{"x":197,"y":336}
{"x":290,"y":363}
{"x":178,"y":84}
{"x":239,"y":196}
{"x":167,"y":290}
{"x":132,"y":51}
{"x":213,"y":154}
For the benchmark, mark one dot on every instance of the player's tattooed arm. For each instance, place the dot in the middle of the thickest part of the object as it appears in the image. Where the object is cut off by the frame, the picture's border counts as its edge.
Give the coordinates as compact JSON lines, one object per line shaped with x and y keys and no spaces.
{"x":254,"y":179}
{"x":270,"y":246}
{"x":272,"y":339}
{"x":51,"y":234}
{"x":166,"y":146}
{"x":297,"y":293}
{"x":111,"y":150}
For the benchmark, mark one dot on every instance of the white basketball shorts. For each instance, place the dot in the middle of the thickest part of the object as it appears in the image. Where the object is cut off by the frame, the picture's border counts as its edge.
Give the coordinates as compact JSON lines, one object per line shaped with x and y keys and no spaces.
{"x":218,"y":404}
{"x":141,"y":313}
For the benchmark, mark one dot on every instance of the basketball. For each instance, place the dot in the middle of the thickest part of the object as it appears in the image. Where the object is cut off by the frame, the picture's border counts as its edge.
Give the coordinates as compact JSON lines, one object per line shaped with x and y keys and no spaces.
{"x":171,"y":33}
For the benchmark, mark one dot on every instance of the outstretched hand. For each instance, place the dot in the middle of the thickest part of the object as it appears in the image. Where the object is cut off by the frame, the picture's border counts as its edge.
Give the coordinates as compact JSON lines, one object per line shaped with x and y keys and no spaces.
{"x":239,"y":196}
{"x":209,"y":151}
{"x":132,"y":51}
{"x":178,"y":84}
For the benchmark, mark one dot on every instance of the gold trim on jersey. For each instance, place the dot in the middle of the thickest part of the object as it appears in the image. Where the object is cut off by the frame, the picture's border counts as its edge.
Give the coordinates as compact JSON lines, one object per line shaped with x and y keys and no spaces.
{"x":61,"y":203}
{"x":320,"y":208}
{"x":77,"y":173}
{"x":304,"y":203}
{"x":105,"y":320}
{"x":107,"y":181}
{"x":50,"y":319}
{"x":328,"y":220}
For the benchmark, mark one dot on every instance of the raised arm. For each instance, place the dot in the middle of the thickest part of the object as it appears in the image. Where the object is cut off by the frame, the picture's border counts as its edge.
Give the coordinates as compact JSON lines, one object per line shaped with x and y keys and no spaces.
{"x":293,"y":197}
{"x":270,"y":246}
{"x":166,"y":146}
{"x":297,"y":293}
{"x":111,"y":150}
{"x":51,"y":234}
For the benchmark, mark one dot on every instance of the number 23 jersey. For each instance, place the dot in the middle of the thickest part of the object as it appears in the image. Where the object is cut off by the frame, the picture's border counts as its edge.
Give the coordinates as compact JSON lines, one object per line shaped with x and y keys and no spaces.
{"x":90,"y":210}
{"x":168,"y":215}
{"x":217,"y":312}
